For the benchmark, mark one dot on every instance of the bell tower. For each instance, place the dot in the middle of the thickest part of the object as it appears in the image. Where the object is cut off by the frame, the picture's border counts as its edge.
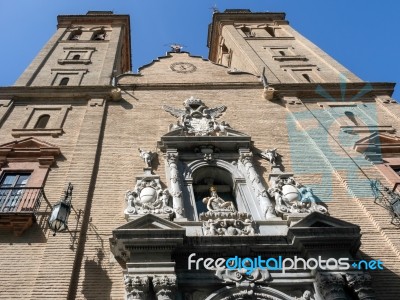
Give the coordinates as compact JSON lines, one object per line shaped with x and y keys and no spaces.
{"x":265,"y":43}
{"x":85,"y":50}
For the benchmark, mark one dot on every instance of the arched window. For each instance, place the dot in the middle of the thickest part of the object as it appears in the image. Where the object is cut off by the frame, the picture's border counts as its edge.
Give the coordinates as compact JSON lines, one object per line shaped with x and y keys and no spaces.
{"x":42,"y":121}
{"x":99,"y":35}
{"x":270,"y":31}
{"x":64,"y":81}
{"x":75,"y":35}
{"x":76,"y":57}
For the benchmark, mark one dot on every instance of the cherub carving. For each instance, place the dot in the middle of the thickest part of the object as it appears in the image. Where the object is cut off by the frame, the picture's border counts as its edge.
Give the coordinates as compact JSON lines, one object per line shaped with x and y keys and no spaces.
{"x":147,"y":156}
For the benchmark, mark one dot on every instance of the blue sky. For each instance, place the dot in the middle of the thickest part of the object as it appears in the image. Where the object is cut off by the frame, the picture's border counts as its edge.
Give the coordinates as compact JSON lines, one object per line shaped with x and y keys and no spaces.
{"x":362,"y":35}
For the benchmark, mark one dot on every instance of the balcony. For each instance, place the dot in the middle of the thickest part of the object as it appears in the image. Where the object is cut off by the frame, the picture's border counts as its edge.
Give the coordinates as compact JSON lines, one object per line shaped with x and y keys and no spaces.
{"x":18,"y":207}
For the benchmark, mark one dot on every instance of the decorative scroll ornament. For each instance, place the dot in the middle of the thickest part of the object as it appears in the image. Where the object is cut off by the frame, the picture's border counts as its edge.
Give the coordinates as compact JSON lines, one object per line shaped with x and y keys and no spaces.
{"x":223,"y":219}
{"x":148,"y":197}
{"x":241,"y":275}
{"x":196,"y":118}
{"x":293,"y":197}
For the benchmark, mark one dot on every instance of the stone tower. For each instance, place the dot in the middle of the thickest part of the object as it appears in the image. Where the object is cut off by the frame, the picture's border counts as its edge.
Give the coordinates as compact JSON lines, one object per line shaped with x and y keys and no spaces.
{"x":269,"y":171}
{"x":87,"y":50}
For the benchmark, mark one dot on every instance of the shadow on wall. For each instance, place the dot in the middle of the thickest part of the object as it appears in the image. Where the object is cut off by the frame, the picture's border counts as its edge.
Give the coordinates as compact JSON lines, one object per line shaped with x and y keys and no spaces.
{"x":35,"y":234}
{"x":97,"y":283}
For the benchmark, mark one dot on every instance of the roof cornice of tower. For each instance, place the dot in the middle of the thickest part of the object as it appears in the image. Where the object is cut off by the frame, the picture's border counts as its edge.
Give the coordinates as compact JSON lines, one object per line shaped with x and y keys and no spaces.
{"x":93,"y":18}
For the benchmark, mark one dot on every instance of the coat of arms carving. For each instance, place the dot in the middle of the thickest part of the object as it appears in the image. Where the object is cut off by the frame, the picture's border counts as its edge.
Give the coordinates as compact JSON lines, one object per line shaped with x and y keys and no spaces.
{"x":196,"y":118}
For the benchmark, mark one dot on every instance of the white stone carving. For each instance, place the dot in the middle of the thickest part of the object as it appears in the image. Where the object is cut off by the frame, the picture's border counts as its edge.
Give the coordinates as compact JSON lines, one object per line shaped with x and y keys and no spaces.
{"x":196,"y":118}
{"x":148,"y":197}
{"x":215,"y":203}
{"x":223,"y":219}
{"x":176,"y":192}
{"x":246,"y":161}
{"x":270,"y":155}
{"x":293,"y":197}
{"x":147,"y":156}
{"x":136,"y":287}
{"x":240,"y":275}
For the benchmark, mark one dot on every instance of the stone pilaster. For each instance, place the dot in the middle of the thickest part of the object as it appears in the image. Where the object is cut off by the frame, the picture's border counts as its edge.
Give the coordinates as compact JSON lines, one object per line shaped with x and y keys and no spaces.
{"x":330,"y":286}
{"x":175,"y":187}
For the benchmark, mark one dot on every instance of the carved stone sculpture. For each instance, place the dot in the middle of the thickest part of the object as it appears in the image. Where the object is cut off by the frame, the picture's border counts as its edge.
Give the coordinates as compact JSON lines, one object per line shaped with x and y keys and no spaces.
{"x":241,"y":275}
{"x":307,"y":295}
{"x":196,"y":118}
{"x":229,"y":227}
{"x":147,"y":156}
{"x":330,"y":286}
{"x":215,"y":203}
{"x":361,"y":285}
{"x":270,"y":155}
{"x":293,"y":197}
{"x":136,"y":287}
{"x":164,"y":287}
{"x":148,"y":197}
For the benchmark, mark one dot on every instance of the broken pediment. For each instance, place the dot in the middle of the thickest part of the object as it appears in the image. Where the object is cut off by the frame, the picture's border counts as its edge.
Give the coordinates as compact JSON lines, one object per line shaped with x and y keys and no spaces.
{"x":147,"y":222}
{"x":29,"y":149}
{"x":320,"y":231}
{"x":145,"y":234}
{"x":378,"y":145}
{"x":316,"y":220}
{"x":181,"y":68}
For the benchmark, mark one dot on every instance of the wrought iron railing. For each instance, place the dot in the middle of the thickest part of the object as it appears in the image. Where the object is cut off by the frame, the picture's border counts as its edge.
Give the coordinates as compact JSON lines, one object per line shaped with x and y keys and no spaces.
{"x":21,"y":199}
{"x":387,"y":198}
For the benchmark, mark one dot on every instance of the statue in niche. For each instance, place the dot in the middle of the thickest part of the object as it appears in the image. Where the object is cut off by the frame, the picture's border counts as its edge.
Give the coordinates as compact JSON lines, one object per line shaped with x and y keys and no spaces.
{"x":147,"y":156}
{"x":148,"y":197}
{"x":197,"y":119}
{"x":215,"y":203}
{"x":293,"y":197}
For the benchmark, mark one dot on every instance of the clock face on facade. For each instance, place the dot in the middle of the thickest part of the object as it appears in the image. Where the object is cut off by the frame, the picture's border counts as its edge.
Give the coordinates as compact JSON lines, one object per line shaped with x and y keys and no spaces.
{"x":183,"y":67}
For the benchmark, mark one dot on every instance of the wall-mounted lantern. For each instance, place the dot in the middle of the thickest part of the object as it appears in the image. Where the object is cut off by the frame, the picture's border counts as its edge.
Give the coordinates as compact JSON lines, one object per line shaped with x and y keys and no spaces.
{"x":58,"y":220}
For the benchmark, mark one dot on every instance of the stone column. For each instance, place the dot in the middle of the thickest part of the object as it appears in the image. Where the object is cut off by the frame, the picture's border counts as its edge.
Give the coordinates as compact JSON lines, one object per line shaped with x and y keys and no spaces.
{"x":136,"y":287}
{"x":330,"y":286}
{"x":361,"y":285}
{"x":246,"y":158}
{"x":175,"y":186}
{"x":164,"y":287}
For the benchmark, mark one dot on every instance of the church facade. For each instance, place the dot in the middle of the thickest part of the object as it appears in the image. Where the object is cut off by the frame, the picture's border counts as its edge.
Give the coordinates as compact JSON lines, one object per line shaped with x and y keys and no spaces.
{"x":267,"y":171}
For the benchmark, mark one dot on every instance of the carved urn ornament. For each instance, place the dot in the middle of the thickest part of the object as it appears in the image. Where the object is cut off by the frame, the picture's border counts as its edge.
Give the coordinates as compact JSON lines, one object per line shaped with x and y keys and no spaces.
{"x":196,"y":118}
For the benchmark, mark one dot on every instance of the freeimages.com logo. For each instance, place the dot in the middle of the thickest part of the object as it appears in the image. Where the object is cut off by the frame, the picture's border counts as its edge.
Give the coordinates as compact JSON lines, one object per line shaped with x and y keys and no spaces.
{"x":280,"y":263}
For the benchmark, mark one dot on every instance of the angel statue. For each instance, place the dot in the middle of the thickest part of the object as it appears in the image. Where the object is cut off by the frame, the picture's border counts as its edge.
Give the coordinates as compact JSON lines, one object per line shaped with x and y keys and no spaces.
{"x":147,"y":156}
{"x":196,"y":118}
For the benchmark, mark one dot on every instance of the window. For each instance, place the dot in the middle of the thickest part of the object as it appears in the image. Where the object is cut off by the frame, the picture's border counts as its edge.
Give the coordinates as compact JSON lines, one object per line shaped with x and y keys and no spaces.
{"x":99,"y":35}
{"x":75,"y":35}
{"x":42,"y":121}
{"x":12,"y":190}
{"x":64,"y":81}
{"x":76,"y":57}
